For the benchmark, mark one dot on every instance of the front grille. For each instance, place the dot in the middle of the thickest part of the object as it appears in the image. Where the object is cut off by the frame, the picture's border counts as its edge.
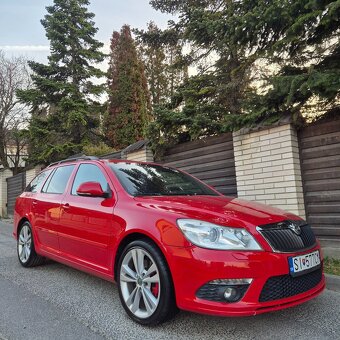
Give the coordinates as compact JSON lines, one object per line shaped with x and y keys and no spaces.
{"x":283,"y":239}
{"x":280,"y":287}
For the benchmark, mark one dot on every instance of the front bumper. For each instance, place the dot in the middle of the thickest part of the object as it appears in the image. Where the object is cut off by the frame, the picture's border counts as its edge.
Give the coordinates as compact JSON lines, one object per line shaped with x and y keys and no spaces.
{"x":193,"y":267}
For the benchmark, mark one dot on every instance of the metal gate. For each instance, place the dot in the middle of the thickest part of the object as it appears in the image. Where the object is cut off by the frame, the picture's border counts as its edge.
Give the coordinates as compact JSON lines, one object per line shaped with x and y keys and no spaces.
{"x":15,"y":186}
{"x":210,"y":159}
{"x":320,"y":165}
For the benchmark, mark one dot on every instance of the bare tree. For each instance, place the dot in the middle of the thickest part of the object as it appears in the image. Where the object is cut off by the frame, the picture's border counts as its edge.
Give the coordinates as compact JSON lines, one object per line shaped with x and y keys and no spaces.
{"x":14,"y":76}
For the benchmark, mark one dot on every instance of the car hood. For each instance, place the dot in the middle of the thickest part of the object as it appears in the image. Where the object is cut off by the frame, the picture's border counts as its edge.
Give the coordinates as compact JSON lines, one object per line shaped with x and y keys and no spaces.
{"x":221,"y":210}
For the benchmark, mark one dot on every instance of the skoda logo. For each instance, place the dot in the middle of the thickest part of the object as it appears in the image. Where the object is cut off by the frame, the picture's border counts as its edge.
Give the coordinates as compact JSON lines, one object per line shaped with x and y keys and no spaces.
{"x":295,"y":229}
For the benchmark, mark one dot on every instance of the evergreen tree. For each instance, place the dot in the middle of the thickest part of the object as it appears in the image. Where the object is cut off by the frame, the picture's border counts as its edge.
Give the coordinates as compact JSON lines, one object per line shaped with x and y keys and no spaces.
{"x":162,"y":57}
{"x":208,"y":101}
{"x":64,"y":101}
{"x":306,"y":52}
{"x":154,"y":58}
{"x":129,"y":100}
{"x":229,"y":41}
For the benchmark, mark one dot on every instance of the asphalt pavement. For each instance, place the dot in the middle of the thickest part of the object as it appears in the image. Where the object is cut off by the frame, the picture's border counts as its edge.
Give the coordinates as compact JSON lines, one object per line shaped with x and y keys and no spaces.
{"x":57,"y":302}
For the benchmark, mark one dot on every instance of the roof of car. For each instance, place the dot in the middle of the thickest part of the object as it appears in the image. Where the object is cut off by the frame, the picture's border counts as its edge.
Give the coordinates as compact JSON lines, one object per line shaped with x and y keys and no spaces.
{"x":72,"y":159}
{"x":94,"y":158}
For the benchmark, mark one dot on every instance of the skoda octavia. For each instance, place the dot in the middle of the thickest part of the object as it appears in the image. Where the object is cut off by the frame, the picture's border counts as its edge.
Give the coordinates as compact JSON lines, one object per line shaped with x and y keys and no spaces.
{"x":168,"y":240}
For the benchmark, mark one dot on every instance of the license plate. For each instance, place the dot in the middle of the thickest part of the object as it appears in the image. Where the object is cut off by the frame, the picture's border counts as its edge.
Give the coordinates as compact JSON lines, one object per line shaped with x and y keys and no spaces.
{"x":302,"y":264}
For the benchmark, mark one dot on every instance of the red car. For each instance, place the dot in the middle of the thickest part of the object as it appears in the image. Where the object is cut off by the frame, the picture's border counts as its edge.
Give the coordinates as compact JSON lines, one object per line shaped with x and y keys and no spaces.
{"x":167,"y":239}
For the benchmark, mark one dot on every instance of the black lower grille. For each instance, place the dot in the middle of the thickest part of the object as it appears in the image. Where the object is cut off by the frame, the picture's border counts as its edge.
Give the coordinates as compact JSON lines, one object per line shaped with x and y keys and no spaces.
{"x":282,"y":238}
{"x":280,"y":287}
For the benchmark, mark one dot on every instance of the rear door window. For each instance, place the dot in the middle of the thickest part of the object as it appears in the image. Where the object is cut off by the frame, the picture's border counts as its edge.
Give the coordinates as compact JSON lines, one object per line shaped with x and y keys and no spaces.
{"x":58,"y":182}
{"x":38,"y":181}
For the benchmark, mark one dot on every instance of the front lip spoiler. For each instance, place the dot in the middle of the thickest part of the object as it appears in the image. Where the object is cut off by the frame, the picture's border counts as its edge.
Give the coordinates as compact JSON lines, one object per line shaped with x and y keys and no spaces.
{"x":279,"y":306}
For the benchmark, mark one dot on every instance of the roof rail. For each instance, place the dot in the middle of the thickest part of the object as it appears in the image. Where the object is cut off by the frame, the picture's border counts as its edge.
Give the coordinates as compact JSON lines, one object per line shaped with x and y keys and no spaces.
{"x":72,"y":159}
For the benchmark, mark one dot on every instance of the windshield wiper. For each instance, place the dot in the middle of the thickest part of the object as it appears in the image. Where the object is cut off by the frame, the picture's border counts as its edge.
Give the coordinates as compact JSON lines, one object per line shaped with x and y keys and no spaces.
{"x":149,"y":194}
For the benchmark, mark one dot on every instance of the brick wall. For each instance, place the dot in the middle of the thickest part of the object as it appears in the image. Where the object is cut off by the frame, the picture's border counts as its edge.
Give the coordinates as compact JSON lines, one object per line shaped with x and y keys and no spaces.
{"x":268,"y":167}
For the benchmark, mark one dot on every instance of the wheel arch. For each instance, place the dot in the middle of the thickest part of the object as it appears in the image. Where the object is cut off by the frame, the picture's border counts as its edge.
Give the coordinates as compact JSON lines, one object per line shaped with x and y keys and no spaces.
{"x":134,"y":236}
{"x":20,"y":223}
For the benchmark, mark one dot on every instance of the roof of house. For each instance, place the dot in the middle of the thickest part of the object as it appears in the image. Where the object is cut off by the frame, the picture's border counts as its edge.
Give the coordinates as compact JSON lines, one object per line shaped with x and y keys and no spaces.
{"x":136,"y":146}
{"x":112,"y":155}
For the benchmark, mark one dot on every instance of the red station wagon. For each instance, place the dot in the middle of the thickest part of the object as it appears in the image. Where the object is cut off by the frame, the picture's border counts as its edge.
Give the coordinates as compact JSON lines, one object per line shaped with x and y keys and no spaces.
{"x":167,"y":239}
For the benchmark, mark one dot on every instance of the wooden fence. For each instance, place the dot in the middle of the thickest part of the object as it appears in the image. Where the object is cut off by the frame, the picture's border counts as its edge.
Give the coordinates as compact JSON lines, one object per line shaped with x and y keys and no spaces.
{"x":320,"y":165}
{"x":15,"y":186}
{"x":210,"y":159}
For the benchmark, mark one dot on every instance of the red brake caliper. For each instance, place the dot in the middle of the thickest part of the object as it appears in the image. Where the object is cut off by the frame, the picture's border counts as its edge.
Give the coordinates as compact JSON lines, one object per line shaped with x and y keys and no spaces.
{"x":155,"y":289}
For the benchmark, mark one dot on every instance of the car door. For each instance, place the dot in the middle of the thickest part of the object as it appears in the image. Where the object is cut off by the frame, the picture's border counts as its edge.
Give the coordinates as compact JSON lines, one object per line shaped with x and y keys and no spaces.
{"x":85,"y":222}
{"x":27,"y":201}
{"x":46,"y":208}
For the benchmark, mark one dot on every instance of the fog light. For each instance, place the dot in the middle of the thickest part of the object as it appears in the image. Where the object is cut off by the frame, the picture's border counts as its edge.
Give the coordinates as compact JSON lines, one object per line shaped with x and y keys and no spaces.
{"x":224,"y":290}
{"x":230,"y":293}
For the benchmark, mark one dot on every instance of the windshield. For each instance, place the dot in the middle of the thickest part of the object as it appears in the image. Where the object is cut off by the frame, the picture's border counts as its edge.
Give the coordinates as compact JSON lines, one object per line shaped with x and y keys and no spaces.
{"x":156,"y":180}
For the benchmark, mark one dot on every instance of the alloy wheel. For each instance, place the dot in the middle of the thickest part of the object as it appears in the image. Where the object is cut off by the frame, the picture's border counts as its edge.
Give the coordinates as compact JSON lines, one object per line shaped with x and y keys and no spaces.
{"x":140,"y":282}
{"x":25,"y":244}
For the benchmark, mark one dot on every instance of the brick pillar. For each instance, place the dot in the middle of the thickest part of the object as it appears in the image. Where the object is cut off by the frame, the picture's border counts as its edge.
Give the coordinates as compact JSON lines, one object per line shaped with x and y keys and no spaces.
{"x":142,"y":155}
{"x":4,"y":174}
{"x":268,"y":167}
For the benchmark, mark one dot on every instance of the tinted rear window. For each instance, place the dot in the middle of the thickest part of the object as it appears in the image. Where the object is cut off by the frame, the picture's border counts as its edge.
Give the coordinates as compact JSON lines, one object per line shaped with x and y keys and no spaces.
{"x":156,"y":180}
{"x":57,"y":183}
{"x":38,"y":181}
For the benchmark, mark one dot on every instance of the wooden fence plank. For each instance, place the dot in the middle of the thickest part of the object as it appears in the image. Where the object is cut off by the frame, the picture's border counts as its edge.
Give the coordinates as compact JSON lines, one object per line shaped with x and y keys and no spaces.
{"x":197,"y":144}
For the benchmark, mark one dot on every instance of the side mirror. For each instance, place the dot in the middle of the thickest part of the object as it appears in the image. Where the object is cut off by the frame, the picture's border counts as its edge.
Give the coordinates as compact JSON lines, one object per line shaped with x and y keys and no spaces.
{"x":92,"y":189}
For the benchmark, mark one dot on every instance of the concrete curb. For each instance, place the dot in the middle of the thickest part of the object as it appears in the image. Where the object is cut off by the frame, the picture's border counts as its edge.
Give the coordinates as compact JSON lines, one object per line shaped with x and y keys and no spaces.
{"x":333,"y":282}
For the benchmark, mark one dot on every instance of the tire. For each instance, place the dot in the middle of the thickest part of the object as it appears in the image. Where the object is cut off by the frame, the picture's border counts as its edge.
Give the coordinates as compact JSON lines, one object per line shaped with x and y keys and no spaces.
{"x":146,"y":293}
{"x":25,"y":247}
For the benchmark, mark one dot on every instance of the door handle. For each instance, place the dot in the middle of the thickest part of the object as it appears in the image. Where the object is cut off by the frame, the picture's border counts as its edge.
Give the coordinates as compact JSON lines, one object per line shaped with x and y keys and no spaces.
{"x":66,"y":206}
{"x":34,"y":202}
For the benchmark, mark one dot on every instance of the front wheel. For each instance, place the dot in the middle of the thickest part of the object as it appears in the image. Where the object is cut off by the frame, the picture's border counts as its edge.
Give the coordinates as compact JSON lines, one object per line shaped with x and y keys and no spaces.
{"x":145,"y":284}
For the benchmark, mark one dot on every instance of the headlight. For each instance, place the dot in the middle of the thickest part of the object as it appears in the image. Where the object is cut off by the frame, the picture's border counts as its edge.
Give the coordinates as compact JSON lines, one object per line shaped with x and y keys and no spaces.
{"x":212,"y":236}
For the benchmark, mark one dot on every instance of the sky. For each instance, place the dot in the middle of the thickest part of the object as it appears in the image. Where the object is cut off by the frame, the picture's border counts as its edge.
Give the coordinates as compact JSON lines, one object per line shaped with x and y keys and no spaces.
{"x":23,"y":34}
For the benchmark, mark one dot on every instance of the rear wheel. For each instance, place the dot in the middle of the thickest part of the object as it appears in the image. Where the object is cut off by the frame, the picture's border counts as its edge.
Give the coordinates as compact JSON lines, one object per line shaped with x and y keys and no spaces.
{"x":25,"y":247}
{"x":145,"y":284}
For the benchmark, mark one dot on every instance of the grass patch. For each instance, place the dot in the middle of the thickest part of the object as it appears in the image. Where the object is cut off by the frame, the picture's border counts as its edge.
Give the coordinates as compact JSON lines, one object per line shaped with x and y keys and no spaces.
{"x":331,"y":266}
